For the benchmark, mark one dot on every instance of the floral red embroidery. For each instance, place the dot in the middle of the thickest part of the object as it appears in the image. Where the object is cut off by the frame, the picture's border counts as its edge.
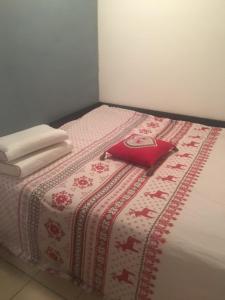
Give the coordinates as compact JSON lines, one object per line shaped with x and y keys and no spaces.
{"x":54,"y":230}
{"x":54,"y":255}
{"x":100,"y":167}
{"x":83,"y":182}
{"x":61,"y":200}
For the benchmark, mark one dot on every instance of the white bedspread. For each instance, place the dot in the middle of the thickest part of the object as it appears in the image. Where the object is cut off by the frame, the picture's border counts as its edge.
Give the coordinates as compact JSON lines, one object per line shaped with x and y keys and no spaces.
{"x":117,"y":231}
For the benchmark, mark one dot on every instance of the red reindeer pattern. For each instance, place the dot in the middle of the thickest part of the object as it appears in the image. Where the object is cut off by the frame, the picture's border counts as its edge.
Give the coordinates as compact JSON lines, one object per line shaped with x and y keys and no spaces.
{"x":159,"y":194}
{"x":128,"y":245}
{"x":123,"y":277}
{"x":170,"y":178}
{"x":185,"y":155}
{"x":142,"y":213}
{"x":191,"y":144}
{"x":177,"y":167}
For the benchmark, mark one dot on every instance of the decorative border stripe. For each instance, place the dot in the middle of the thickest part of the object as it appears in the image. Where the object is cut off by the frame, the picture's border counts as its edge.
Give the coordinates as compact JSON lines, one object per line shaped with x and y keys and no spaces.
{"x":165,"y":221}
{"x":101,"y":251}
{"x":76,"y":259}
{"x":23,"y":227}
{"x":38,"y":193}
{"x":105,"y":227}
{"x":80,"y":217}
{"x":167,"y":130}
{"x":180,"y":134}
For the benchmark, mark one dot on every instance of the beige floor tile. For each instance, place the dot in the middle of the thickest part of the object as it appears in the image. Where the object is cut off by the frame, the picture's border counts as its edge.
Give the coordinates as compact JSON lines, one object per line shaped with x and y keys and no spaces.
{"x":11,"y":280}
{"x":17,"y":262}
{"x":89,"y":296}
{"x":35,"y":291}
{"x":63,"y":287}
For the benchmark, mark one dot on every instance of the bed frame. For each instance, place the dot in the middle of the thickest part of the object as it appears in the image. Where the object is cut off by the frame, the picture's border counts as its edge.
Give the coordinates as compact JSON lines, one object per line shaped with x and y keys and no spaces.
{"x":80,"y":113}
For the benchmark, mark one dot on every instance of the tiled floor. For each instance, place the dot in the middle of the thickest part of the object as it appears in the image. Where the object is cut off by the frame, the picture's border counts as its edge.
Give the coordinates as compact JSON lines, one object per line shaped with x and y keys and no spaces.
{"x":20,"y":281}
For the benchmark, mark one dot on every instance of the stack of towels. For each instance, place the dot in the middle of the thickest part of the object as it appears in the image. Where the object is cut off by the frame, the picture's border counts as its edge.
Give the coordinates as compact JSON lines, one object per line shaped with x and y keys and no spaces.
{"x":25,"y":152}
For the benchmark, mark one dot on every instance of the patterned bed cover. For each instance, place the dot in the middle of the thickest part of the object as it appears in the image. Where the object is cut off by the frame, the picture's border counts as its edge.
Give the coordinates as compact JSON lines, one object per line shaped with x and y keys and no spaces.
{"x":117,"y":231}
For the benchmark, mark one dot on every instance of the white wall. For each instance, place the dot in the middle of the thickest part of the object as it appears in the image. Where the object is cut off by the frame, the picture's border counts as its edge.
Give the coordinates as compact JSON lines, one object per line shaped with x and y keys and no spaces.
{"x":164,"y":55}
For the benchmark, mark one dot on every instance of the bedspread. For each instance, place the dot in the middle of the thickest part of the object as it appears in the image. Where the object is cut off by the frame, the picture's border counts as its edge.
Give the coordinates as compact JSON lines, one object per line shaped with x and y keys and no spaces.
{"x":117,"y":231}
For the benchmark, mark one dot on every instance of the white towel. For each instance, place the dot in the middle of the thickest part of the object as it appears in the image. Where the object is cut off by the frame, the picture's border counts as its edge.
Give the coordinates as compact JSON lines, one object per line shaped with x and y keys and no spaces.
{"x":35,"y":161}
{"x":23,"y":142}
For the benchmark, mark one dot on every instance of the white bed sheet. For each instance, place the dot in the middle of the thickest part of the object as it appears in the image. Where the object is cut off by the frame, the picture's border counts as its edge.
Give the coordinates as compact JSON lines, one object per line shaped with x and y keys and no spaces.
{"x":192,"y":263}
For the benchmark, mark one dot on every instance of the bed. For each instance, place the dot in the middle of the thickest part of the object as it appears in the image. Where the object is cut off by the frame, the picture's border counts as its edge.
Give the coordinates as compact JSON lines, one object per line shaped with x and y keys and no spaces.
{"x":115,"y":230}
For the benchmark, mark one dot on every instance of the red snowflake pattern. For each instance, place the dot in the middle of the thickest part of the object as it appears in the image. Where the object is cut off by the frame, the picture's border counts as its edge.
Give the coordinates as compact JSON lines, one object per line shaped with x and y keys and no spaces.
{"x":83,"y":182}
{"x":100,"y":167}
{"x":61,"y":200}
{"x":54,"y":255}
{"x":54,"y":230}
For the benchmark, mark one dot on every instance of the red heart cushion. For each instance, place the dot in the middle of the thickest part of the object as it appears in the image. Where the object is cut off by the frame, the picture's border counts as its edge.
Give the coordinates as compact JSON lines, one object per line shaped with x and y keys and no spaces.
{"x":142,"y":150}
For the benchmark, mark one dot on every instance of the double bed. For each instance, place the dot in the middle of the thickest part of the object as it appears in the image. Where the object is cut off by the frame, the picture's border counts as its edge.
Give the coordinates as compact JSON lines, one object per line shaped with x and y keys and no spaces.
{"x":115,"y":230}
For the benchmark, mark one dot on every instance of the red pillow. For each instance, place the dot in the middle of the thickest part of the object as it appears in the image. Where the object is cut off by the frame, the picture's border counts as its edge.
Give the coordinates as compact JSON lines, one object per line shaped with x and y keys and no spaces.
{"x":142,"y":150}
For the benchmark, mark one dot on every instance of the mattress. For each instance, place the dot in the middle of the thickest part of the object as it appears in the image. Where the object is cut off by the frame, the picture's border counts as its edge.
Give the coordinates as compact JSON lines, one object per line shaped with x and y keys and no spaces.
{"x":115,"y":230}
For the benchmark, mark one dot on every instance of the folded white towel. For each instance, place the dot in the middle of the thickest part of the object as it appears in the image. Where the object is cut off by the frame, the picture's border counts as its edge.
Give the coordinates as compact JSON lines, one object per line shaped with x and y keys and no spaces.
{"x":18,"y":144}
{"x":35,"y":161}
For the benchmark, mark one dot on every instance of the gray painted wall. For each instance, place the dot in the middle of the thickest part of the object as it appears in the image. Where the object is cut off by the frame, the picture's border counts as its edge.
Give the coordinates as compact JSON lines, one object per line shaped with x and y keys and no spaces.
{"x":48,"y":60}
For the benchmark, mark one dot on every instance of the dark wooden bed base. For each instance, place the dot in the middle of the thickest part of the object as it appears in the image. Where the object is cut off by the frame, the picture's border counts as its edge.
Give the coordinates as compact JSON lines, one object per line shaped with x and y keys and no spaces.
{"x":80,"y":113}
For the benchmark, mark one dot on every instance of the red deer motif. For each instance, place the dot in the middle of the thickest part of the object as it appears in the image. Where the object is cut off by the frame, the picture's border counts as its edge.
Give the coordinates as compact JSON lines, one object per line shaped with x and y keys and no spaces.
{"x":185,"y":155}
{"x":159,"y":194}
{"x":123,"y":277}
{"x":191,"y":144}
{"x":128,"y":245}
{"x":168,"y":178}
{"x":142,"y":213}
{"x":177,"y":167}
